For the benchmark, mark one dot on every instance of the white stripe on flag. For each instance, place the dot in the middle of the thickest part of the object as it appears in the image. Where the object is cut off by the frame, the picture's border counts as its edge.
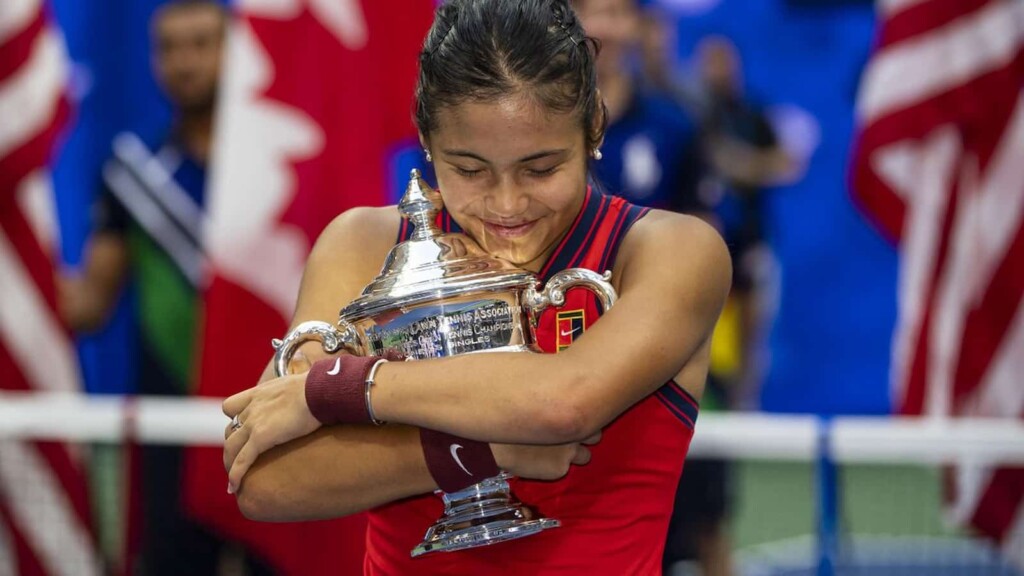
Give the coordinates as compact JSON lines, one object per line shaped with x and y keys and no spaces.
{"x":29,"y":97}
{"x":921,"y":67}
{"x":998,"y":206}
{"x":1001,"y":393}
{"x":29,"y":331}
{"x":35,"y":199}
{"x":933,"y":171}
{"x":970,"y":480}
{"x":43,"y":513}
{"x":15,"y":15}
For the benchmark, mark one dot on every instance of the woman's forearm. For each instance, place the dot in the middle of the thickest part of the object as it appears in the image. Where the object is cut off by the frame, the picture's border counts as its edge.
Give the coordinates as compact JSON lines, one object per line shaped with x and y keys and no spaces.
{"x":335,"y":472}
{"x":512,"y":397}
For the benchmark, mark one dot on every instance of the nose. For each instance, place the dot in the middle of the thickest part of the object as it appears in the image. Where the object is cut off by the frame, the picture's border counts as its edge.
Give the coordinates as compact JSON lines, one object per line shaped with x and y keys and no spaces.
{"x":507,"y":200}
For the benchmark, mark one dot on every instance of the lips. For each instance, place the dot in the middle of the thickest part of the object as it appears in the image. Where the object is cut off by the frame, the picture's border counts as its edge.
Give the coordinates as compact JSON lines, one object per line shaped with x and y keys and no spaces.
{"x":509,"y":230}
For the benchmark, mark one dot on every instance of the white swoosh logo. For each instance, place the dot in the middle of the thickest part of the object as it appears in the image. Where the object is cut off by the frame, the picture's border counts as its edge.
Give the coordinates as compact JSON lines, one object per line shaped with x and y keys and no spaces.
{"x":455,"y":454}
{"x":569,"y":332}
{"x":337,"y":368}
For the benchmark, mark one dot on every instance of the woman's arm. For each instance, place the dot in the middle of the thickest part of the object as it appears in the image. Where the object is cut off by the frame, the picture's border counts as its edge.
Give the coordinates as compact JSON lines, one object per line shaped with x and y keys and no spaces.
{"x":341,"y":470}
{"x":674,"y":273}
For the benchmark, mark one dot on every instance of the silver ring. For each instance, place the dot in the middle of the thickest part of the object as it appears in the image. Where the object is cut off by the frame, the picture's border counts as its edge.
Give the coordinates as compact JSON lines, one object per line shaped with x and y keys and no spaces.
{"x":235,"y":423}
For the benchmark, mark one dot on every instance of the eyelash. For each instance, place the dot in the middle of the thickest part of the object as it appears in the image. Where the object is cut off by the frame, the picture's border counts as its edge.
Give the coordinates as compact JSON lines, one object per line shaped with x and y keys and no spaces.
{"x":542,"y":173}
{"x":535,"y":173}
{"x":467,"y":173}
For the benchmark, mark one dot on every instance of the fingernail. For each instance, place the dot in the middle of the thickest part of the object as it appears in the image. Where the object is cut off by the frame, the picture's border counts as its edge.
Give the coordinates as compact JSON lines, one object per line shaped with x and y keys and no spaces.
{"x":231,"y":489}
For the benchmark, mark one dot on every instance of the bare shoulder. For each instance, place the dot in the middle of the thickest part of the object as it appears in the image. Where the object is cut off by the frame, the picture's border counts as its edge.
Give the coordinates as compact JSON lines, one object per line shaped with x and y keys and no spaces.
{"x":678,"y":248}
{"x":356,"y":235}
{"x":347,"y":255}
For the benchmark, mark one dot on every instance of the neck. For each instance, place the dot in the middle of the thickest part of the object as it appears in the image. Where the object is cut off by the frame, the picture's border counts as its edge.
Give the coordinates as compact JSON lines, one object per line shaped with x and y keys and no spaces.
{"x":195,"y":129}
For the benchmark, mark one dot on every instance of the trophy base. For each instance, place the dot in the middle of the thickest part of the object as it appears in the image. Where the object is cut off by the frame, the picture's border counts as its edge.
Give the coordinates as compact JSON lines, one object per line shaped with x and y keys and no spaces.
{"x":481,"y":515}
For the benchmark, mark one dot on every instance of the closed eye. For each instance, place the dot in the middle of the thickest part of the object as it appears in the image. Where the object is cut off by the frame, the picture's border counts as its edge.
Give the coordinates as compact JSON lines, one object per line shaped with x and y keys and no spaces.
{"x":467,"y":172}
{"x":543,"y":172}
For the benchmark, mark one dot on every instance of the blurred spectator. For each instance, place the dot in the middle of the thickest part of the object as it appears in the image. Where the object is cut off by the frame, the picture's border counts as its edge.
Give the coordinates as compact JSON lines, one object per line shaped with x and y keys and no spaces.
{"x":146,"y":229}
{"x":744,"y":157}
{"x":649,"y":154}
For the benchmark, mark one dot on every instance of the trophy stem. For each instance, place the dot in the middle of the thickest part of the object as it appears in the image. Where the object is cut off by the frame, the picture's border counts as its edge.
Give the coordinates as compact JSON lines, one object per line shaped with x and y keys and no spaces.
{"x":482,"y":514}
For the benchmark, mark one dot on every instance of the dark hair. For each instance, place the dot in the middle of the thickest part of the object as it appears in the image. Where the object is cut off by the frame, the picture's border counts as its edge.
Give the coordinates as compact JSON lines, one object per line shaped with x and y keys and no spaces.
{"x":485,"y":49}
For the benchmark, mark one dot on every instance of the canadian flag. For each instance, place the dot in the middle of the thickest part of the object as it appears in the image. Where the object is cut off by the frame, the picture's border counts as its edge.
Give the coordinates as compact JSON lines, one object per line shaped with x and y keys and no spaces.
{"x":940,"y":167}
{"x":316,"y":94}
{"x":44,"y":512}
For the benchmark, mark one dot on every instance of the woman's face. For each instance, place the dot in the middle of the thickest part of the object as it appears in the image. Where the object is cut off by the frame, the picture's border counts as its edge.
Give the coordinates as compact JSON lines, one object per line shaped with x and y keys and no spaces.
{"x":512,"y":174}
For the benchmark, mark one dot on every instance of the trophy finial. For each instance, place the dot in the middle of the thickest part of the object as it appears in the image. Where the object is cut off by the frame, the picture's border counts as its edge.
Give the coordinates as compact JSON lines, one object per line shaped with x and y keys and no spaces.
{"x":420,"y":205}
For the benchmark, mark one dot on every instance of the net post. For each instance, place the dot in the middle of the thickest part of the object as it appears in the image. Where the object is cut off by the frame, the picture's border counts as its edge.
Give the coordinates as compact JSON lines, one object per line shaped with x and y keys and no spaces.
{"x":828,"y":504}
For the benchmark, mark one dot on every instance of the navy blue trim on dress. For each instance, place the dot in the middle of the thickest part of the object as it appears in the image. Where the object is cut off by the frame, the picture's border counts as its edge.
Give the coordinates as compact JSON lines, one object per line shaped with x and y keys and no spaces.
{"x":679,"y":402}
{"x":573,"y":246}
{"x":627,"y":218}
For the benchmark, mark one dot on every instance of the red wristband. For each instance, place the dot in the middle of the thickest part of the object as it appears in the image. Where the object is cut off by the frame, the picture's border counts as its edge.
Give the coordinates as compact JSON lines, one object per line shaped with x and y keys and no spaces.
{"x":336,"y":389}
{"x":456,"y":463}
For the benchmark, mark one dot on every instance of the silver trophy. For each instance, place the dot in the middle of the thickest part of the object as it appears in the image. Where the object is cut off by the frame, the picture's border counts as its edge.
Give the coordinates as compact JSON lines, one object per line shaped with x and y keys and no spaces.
{"x":439,"y":294}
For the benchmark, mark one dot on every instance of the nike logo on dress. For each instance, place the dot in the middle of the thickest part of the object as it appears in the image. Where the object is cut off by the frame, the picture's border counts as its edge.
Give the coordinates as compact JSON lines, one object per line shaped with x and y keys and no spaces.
{"x":455,"y":454}
{"x":337,"y":368}
{"x":569,"y":333}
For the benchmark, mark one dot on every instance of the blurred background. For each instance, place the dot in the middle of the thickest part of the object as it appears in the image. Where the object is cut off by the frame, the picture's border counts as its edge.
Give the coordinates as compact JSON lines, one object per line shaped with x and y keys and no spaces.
{"x":165,"y":167}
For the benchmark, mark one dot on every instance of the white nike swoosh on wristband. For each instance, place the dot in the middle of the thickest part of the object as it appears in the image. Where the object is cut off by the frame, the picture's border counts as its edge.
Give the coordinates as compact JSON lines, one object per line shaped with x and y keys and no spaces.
{"x":568,"y":333}
{"x":455,"y":454}
{"x":337,"y":368}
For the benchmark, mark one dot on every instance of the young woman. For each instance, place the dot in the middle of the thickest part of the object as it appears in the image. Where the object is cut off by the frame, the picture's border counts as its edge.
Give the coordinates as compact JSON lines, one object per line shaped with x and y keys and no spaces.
{"x":509,"y":113}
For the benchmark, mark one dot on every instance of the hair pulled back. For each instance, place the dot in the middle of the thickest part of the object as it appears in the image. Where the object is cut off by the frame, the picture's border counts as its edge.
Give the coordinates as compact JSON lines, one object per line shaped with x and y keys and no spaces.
{"x":483,"y":50}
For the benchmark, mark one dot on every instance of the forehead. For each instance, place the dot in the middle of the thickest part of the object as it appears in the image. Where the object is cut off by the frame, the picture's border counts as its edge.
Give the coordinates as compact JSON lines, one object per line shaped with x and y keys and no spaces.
{"x":189,"y":18}
{"x":512,"y":126}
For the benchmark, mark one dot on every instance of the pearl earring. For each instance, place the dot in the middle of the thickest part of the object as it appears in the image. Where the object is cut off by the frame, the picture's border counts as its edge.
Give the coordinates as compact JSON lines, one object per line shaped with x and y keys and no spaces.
{"x":429,"y":157}
{"x":597,"y":154}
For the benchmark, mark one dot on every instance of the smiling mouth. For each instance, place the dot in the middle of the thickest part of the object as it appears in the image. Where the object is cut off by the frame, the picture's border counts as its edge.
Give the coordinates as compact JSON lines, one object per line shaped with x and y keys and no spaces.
{"x":505,"y":231}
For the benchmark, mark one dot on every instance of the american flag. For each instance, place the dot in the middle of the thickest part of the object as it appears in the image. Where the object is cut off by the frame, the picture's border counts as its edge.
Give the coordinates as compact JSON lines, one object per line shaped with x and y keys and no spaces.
{"x":939,"y":167}
{"x":44,"y":519}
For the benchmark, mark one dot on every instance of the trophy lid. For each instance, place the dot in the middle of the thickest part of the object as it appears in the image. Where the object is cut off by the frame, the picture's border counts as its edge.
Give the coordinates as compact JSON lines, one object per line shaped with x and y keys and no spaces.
{"x":432,"y":265}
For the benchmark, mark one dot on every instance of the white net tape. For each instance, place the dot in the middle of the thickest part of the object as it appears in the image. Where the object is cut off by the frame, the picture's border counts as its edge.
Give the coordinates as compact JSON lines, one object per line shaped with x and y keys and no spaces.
{"x":199,"y":421}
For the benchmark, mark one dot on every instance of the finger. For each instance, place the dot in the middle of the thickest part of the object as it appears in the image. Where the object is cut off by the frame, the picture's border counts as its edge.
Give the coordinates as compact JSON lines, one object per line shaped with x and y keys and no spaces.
{"x":582,"y":456}
{"x":233,"y":445}
{"x":235,"y":404}
{"x":593,"y":439}
{"x":241,"y":465}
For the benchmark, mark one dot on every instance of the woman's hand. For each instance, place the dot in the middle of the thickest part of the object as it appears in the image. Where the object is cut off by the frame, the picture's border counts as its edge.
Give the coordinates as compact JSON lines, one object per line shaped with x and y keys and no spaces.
{"x":542,"y":462}
{"x":270,"y":414}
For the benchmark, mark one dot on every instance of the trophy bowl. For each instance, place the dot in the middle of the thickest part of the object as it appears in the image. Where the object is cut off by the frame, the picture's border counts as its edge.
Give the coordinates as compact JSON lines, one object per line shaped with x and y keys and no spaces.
{"x":439,"y":294}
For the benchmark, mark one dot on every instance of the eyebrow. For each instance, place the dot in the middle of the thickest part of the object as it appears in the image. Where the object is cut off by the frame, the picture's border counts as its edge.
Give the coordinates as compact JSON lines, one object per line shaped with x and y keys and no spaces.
{"x":530,"y":158}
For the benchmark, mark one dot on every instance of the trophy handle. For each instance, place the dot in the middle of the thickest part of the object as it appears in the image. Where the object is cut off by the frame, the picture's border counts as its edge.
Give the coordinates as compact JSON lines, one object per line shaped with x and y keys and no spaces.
{"x":331,"y":338}
{"x":554,"y":292}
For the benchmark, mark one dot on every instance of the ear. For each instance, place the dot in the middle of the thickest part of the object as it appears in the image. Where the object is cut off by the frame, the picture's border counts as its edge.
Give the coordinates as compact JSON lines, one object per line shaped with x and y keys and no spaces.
{"x":424,"y":143}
